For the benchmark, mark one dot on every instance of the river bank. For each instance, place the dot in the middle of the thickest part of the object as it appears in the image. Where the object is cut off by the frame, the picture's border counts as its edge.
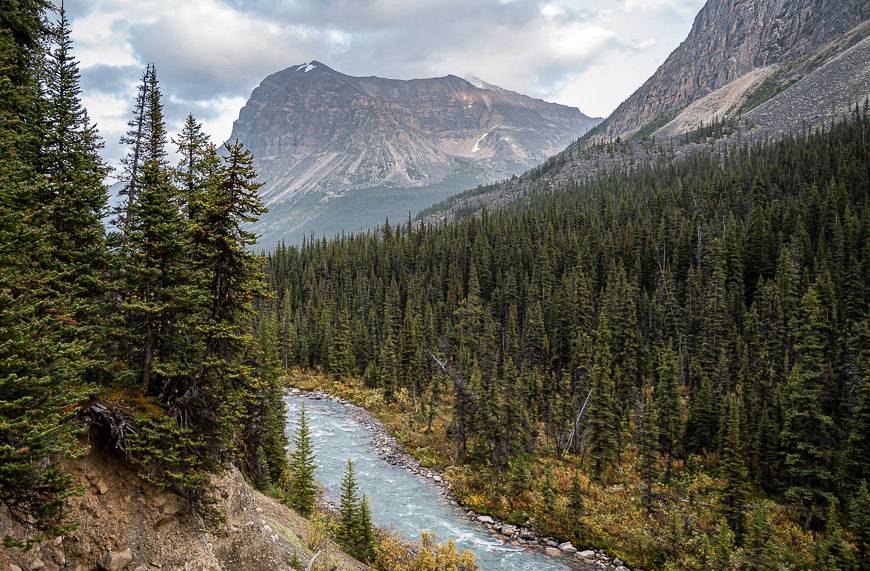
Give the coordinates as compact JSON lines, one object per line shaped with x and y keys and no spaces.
{"x":519,"y":536}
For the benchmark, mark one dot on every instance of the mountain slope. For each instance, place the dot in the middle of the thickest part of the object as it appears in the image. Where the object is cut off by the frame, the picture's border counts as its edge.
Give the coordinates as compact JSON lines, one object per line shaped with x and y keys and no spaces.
{"x":749,"y":69}
{"x":320,"y":137}
{"x":730,"y":39}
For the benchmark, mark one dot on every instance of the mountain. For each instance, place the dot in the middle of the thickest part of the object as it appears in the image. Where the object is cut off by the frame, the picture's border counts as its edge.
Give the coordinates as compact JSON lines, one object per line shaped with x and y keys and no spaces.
{"x":749,"y":69}
{"x":739,"y":44}
{"x":337,"y":152}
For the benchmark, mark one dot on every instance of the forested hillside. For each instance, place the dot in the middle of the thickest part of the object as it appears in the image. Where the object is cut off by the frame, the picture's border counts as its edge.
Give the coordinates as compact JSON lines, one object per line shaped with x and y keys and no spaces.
{"x":669,"y":361}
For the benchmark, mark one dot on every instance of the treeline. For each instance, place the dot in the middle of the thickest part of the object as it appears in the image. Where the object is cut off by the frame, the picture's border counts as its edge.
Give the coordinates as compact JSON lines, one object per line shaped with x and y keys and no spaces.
{"x":708,"y":314}
{"x":146,"y":333}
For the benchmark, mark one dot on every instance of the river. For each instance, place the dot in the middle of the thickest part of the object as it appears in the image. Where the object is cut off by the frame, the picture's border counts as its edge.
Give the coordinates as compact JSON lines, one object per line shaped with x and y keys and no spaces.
{"x":406,"y":502}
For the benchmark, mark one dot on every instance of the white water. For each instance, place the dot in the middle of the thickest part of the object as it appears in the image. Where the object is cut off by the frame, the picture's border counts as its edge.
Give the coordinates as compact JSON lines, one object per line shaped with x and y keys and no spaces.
{"x":401,"y":500}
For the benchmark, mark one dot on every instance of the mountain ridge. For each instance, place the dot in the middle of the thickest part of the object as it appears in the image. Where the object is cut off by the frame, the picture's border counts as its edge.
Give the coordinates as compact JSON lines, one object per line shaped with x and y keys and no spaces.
{"x":319,"y":135}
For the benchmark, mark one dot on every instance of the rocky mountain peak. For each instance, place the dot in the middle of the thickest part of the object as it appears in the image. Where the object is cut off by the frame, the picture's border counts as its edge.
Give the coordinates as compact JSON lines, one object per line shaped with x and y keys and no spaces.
{"x":320,"y":136}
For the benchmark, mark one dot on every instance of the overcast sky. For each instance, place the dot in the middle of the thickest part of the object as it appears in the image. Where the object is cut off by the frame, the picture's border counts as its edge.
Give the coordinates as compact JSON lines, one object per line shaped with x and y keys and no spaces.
{"x":210,"y":54}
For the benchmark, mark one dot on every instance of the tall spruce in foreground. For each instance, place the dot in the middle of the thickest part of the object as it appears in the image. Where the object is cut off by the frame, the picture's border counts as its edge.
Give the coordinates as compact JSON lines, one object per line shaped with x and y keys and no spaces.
{"x":156,"y":267}
{"x":76,"y":199}
{"x":225,"y":381}
{"x":42,"y":364}
{"x":303,"y":487}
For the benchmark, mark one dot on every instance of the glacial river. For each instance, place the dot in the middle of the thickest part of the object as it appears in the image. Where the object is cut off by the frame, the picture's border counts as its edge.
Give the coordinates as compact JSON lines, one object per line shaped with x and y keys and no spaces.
{"x":404,"y":501}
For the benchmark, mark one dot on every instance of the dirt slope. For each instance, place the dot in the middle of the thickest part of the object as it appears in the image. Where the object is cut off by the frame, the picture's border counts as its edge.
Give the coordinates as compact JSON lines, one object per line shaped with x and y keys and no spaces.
{"x":127,"y":524}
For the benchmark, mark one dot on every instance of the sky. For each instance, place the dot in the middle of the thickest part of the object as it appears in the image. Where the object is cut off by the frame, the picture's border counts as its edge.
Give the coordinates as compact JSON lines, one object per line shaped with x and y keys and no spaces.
{"x":210,"y":54}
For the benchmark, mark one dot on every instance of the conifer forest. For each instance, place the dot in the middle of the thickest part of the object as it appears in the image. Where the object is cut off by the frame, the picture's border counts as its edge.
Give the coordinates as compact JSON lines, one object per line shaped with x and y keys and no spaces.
{"x":662,"y":363}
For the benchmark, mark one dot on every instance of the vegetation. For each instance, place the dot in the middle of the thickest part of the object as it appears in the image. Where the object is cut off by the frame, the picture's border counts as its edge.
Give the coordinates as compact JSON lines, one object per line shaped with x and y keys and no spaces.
{"x":149,"y":332}
{"x":683,"y":345}
{"x":771,"y":86}
{"x":301,"y":490}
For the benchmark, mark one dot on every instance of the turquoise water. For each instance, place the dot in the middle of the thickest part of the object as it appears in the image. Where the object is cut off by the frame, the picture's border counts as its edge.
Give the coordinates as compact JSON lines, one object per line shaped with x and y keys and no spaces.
{"x":401,"y":500}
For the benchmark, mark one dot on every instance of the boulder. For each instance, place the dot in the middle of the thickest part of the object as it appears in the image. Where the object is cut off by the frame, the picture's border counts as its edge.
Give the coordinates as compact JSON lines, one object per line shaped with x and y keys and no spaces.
{"x":36,"y":564}
{"x":508,"y":529}
{"x":552,"y":552}
{"x":622,"y":568}
{"x":528,"y":535}
{"x":485,"y":519}
{"x":116,"y":560}
{"x":587,"y":554}
{"x":102,"y":487}
{"x":13,"y":567}
{"x":618,"y":562}
{"x":567,"y":548}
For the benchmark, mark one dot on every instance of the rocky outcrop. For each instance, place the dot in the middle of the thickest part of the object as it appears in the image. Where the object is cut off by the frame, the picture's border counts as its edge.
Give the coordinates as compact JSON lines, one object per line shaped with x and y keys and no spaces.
{"x":318,"y":135}
{"x":729,"y":39}
{"x":126,"y":524}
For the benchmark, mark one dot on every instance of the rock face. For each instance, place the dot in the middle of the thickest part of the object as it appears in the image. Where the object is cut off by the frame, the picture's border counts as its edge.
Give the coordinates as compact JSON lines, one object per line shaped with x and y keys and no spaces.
{"x":765,"y":67}
{"x":318,"y":135}
{"x":730,"y":39}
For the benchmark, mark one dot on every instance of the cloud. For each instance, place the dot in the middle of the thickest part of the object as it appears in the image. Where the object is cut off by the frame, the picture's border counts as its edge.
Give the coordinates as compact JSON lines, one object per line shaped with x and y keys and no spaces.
{"x":210,"y":54}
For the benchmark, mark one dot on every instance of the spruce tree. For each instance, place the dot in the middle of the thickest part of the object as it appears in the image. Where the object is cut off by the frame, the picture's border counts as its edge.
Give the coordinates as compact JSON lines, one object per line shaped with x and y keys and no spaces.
{"x":303,"y":487}
{"x":75,"y":196}
{"x":603,"y":416}
{"x":348,"y":511}
{"x":806,"y":433}
{"x":668,"y":406}
{"x":733,"y":470}
{"x":648,"y":448}
{"x":42,"y":365}
{"x":365,"y":531}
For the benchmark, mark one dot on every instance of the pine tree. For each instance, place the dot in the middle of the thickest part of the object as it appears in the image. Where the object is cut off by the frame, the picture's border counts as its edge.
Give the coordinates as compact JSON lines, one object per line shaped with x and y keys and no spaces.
{"x":303,"y":487}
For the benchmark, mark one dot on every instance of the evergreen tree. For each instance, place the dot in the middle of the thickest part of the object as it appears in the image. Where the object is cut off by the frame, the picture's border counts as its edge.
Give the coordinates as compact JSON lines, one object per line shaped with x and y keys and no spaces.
{"x":303,"y":487}
{"x":349,"y":511}
{"x":648,"y":447}
{"x":603,"y":415}
{"x":42,"y":360}
{"x":365,"y":531}
{"x":733,"y":468}
{"x":806,"y":434}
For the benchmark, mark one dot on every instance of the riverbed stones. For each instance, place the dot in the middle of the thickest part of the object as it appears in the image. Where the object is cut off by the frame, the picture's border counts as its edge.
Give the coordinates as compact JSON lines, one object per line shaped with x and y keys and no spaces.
{"x":528,"y":535}
{"x":567,"y":548}
{"x":508,"y":529}
{"x":485,"y":519}
{"x":552,"y":551}
{"x":587,"y":554}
